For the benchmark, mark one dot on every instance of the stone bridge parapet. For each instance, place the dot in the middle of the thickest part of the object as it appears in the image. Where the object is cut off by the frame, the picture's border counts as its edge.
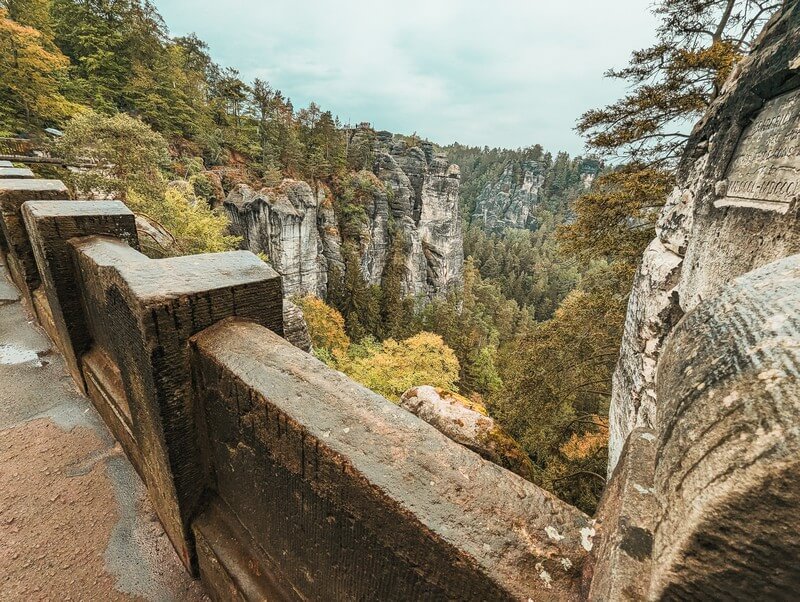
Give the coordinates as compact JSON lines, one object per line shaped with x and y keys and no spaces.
{"x":276,"y":477}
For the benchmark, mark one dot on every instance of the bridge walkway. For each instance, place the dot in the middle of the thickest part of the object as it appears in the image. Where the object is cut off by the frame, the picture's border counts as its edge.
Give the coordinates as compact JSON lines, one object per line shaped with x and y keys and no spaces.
{"x":75,"y":520}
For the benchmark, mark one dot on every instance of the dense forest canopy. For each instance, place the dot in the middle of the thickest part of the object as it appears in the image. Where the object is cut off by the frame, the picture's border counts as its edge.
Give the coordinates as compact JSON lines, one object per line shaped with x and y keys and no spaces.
{"x":534,"y":330}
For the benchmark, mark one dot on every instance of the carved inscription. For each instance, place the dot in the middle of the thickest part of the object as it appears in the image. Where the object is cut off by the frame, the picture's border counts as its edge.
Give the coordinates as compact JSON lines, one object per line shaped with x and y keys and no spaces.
{"x":765,"y":169}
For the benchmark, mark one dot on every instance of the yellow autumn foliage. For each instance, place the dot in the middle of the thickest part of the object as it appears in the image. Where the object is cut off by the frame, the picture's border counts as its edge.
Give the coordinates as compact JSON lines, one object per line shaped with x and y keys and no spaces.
{"x":195,"y":226}
{"x":32,"y":72}
{"x":390,"y":367}
{"x":325,"y":325}
{"x":396,"y":366}
{"x":585,"y":445}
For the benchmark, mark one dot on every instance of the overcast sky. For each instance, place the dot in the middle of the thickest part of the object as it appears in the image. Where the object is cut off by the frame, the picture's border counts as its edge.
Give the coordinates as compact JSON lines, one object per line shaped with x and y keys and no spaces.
{"x":506,"y":73}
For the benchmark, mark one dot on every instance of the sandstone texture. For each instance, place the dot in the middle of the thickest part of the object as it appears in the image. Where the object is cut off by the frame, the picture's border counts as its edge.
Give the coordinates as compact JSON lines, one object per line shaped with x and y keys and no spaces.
{"x":735,"y":209}
{"x":508,"y":201}
{"x":295,"y":329}
{"x":468,"y":424}
{"x":625,"y":524}
{"x":415,"y":199}
{"x":353,"y":497}
{"x":281,"y":223}
{"x":728,"y":449}
{"x":423,"y":204}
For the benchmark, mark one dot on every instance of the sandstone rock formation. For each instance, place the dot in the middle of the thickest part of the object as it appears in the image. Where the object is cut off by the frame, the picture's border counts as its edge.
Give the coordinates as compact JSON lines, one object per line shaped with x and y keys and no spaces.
{"x":419,"y":204}
{"x":282,"y":223}
{"x":416,"y":199}
{"x":508,"y":201}
{"x":295,"y":329}
{"x":467,"y":424}
{"x":735,"y":209}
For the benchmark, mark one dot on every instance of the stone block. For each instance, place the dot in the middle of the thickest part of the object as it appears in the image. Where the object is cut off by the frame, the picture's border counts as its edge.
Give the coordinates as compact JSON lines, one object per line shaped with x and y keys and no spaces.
{"x":16,"y":172}
{"x":6,"y":164}
{"x":13,"y":193}
{"x":143,"y":312}
{"x":728,"y":471}
{"x":50,"y":224}
{"x":626,"y":518}
{"x":351,"y":497}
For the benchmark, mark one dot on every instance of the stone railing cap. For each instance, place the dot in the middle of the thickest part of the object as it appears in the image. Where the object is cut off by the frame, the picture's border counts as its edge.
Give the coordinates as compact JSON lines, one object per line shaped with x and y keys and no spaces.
{"x":31,"y":184}
{"x":76,"y":208}
{"x":508,"y":525}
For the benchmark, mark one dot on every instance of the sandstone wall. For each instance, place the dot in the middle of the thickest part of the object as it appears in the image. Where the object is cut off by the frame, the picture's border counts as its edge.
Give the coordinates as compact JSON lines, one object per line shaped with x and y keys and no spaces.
{"x":735,"y":209}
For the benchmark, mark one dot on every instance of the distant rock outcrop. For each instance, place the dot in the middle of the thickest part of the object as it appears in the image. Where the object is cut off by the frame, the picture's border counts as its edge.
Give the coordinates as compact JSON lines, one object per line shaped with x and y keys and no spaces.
{"x":467,"y":424}
{"x":282,"y":223}
{"x":508,"y":201}
{"x":415,"y":200}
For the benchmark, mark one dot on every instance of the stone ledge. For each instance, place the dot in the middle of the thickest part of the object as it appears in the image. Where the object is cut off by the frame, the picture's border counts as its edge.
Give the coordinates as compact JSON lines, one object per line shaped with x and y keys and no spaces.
{"x":397,"y":494}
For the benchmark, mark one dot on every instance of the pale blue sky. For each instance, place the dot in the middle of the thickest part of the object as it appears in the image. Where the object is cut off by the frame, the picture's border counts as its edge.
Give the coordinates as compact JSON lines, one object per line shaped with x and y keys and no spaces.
{"x":506,"y":73}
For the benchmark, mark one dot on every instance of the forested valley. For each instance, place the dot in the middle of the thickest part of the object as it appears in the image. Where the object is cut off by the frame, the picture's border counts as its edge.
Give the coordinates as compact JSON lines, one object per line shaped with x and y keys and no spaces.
{"x":531,"y":334}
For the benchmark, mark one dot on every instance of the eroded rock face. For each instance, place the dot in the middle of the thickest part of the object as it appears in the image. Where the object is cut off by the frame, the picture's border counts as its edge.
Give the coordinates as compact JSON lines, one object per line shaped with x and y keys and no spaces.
{"x":422,"y":203}
{"x":735,"y":209}
{"x":507,"y":202}
{"x":295,"y":329}
{"x":466,"y":423}
{"x":415,"y":199}
{"x":282,"y":223}
{"x":728,"y":444}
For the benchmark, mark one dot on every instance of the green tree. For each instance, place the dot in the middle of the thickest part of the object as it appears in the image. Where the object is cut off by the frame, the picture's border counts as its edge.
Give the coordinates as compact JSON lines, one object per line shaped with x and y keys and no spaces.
{"x":616,"y":219}
{"x":193,"y":225}
{"x":673,"y":81}
{"x":556,"y":384}
{"x":130,"y":156}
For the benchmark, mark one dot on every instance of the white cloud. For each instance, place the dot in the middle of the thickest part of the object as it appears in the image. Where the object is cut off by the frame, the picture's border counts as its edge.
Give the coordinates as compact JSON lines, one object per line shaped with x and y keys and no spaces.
{"x":509,"y":73}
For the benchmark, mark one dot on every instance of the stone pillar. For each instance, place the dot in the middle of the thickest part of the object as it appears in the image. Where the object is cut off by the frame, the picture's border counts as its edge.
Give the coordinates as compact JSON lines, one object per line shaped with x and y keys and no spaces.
{"x":13,"y":193}
{"x":50,"y":224}
{"x":149,"y":309}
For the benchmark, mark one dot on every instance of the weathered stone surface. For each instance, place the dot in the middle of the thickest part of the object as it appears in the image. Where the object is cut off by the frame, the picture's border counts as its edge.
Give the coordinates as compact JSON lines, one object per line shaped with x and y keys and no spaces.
{"x":75,"y":521}
{"x":50,"y":224}
{"x":155,"y":239}
{"x":507,"y":202}
{"x":16,"y":172}
{"x":423,"y":204}
{"x":717,"y":225}
{"x":352,"y":497}
{"x":228,"y":555}
{"x":282,"y":223}
{"x":653,"y":309}
{"x":6,"y":164}
{"x":728,"y":474}
{"x":415,"y":199}
{"x":295,"y":329}
{"x":13,"y":193}
{"x":625,"y":523}
{"x":141,"y":312}
{"x":763,"y":170}
{"x":468,"y":424}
